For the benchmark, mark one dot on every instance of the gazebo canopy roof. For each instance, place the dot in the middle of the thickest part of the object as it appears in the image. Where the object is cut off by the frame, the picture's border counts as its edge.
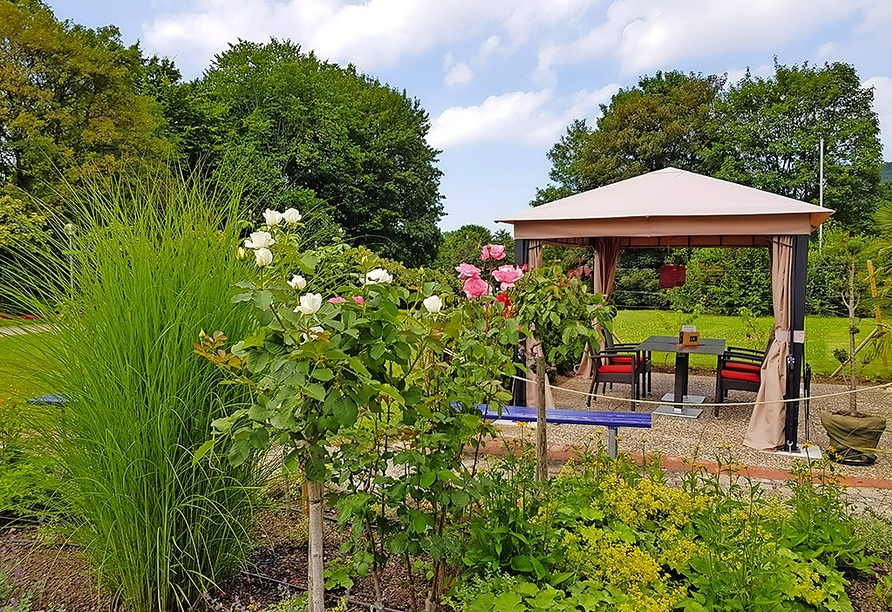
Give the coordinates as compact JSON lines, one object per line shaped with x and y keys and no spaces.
{"x":670,"y":207}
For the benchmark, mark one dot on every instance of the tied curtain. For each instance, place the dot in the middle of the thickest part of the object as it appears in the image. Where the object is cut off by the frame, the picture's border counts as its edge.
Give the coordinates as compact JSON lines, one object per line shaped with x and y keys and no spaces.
{"x":766,"y":427}
{"x":606,"y":259}
{"x":533,"y":349}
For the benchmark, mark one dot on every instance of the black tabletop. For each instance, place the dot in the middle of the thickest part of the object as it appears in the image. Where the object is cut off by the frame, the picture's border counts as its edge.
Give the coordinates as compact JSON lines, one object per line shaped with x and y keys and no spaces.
{"x":669,"y":344}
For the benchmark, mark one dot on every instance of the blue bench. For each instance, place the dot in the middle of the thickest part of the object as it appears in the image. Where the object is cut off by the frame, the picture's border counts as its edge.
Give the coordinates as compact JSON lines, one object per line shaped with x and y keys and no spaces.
{"x":561,"y":416}
{"x":49,"y":400}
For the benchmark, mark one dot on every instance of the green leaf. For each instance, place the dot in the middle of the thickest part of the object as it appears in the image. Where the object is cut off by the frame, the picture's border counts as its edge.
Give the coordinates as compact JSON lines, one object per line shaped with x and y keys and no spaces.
{"x":419,"y":523}
{"x":427,"y":479}
{"x":522,"y":563}
{"x":316,"y":469}
{"x":323,"y":374}
{"x":203,"y":450}
{"x":345,"y":411}
{"x":507,"y":602}
{"x":242,"y":297}
{"x":315,"y":391}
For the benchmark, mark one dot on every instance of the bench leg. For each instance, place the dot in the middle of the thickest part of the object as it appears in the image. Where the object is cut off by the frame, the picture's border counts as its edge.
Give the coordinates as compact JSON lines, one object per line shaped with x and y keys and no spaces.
{"x":611,"y":441}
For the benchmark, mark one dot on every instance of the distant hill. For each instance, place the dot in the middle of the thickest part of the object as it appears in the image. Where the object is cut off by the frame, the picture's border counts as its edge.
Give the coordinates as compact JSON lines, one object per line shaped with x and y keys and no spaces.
{"x":886,"y":173}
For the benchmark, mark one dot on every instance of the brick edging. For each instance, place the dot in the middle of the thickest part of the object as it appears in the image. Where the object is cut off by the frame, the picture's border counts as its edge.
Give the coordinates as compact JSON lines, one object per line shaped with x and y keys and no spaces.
{"x":563,"y":452}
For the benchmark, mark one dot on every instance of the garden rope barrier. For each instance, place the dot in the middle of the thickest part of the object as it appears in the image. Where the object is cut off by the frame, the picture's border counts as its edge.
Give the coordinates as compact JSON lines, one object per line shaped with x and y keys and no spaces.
{"x":724,"y":404}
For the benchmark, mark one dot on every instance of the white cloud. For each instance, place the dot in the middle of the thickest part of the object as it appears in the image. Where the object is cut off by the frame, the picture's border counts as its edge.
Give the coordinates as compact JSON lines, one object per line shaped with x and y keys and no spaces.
{"x":532,"y":117}
{"x":369,"y":33}
{"x":460,"y":74}
{"x":882,"y":92}
{"x":646,"y":34}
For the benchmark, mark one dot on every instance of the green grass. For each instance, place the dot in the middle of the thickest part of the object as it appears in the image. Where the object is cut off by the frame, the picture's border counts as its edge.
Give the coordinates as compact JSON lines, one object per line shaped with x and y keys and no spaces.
{"x":23,"y":366}
{"x":822,"y":336}
{"x":156,"y":266}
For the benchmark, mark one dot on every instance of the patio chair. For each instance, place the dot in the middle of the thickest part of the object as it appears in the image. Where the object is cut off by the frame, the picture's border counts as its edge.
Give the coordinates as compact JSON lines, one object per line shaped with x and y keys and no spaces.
{"x":739,"y":370}
{"x":615,"y":366}
{"x":645,"y":364}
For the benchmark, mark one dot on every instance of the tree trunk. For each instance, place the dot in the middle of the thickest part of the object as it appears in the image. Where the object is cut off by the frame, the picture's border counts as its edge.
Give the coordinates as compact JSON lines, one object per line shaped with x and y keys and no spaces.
{"x":541,"y":438}
{"x":315,"y":579}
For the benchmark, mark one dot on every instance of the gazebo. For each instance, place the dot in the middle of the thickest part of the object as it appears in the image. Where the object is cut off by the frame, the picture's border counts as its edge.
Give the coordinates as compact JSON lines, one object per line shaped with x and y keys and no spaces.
{"x":674,"y":208}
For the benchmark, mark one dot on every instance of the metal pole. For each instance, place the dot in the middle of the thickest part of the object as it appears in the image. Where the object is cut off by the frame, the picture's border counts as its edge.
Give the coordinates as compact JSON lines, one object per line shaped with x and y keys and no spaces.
{"x":821,"y":194}
{"x":796,"y":359}
{"x":519,"y":387}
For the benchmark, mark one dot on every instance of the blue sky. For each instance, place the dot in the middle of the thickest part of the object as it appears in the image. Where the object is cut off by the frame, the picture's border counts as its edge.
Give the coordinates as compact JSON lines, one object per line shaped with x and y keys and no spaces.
{"x":502,"y":79}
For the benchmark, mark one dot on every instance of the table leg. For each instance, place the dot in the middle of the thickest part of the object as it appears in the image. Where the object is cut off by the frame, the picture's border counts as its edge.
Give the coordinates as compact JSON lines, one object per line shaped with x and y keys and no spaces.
{"x":681,"y":378}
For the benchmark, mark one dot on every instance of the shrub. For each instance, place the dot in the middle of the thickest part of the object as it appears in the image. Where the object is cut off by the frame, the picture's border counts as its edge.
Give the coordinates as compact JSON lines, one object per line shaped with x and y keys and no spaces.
{"x":720,"y":281}
{"x":28,"y":482}
{"x":155,"y":266}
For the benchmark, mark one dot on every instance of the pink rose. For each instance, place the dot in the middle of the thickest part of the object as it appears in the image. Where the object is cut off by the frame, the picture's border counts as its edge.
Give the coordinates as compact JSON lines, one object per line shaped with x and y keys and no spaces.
{"x":358,"y":299}
{"x":484,"y":253}
{"x":336,"y":300}
{"x":507,"y":275}
{"x":476,"y":287}
{"x":466,"y":270}
{"x":496,"y":251}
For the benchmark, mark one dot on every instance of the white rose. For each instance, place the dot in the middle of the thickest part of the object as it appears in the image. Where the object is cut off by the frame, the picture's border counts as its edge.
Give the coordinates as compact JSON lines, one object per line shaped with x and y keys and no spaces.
{"x":272,"y":217}
{"x":310,"y":303}
{"x":298,"y":282}
{"x":317,"y":329}
{"x":378,"y":275}
{"x":260,"y":240}
{"x":264,"y":257}
{"x":433,"y":303}
{"x":291,"y":215}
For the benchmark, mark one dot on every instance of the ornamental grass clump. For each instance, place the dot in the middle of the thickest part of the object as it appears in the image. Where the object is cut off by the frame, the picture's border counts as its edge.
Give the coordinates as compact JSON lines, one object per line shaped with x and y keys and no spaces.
{"x":153,"y":267}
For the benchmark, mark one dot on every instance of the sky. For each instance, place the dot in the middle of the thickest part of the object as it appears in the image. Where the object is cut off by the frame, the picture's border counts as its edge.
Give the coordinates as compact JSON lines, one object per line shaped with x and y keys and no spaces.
{"x":502,"y":80}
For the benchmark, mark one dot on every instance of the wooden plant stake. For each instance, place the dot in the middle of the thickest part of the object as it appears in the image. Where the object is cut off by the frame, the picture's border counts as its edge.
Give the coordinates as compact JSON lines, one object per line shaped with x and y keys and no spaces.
{"x":541,"y":438}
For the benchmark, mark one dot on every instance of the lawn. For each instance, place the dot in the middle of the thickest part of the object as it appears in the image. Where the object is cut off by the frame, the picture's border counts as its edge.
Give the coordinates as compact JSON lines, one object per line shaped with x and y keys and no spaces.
{"x":822,"y":336}
{"x":20,"y":366}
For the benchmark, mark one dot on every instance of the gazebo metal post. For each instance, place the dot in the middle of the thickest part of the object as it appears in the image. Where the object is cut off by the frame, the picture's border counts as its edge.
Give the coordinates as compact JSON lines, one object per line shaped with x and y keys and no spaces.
{"x":796,"y":359}
{"x":518,"y":387}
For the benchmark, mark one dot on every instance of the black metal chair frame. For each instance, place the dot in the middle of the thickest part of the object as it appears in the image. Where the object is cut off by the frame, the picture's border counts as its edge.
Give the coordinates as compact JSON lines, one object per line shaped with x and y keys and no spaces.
{"x":645,"y":363}
{"x":631,"y":377}
{"x":724,"y":384}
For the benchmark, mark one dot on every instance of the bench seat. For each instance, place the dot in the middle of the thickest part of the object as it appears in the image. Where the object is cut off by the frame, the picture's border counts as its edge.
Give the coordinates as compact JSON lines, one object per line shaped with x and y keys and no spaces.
{"x":563,"y":416}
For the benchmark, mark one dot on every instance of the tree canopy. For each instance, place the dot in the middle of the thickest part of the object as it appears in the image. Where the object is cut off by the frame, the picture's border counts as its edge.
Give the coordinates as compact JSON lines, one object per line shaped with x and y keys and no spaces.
{"x":311,"y":134}
{"x":762,"y":132}
{"x":661,"y":122}
{"x":71,"y":107}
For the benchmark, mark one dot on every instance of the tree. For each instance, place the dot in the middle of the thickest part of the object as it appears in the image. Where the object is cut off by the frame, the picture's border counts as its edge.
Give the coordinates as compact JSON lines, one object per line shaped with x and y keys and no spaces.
{"x":70,"y":108}
{"x":767,"y":132}
{"x":314,"y":135}
{"x":661,"y":122}
{"x":460,"y":245}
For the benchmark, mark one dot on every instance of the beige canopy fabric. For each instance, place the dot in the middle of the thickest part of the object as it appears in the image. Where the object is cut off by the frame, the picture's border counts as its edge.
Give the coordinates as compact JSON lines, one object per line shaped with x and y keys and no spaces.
{"x":766,"y":427}
{"x":606,"y":259}
{"x":670,"y":207}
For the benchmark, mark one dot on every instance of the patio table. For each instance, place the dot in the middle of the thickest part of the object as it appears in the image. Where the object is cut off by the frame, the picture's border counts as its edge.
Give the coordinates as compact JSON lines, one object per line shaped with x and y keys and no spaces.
{"x":669,"y":344}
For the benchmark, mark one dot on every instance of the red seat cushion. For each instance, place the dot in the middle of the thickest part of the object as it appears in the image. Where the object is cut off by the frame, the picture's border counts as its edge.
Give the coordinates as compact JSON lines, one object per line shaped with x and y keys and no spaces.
{"x":621,"y":360}
{"x":740,"y":365}
{"x":736,"y":375}
{"x":615,"y":369}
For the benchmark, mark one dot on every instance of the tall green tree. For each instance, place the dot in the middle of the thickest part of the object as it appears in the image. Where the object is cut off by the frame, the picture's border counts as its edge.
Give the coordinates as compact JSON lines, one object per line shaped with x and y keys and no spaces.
{"x":661,"y":122}
{"x":71,"y":107}
{"x":317,"y":136}
{"x":767,"y":133}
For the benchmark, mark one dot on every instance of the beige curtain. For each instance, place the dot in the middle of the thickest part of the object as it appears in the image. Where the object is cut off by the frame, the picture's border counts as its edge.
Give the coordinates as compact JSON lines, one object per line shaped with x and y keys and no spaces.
{"x":766,"y":427}
{"x":606,"y":259}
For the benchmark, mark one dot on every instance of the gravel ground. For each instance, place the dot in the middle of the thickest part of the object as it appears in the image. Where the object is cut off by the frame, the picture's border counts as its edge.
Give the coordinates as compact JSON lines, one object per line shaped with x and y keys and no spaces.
{"x":703,"y":437}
